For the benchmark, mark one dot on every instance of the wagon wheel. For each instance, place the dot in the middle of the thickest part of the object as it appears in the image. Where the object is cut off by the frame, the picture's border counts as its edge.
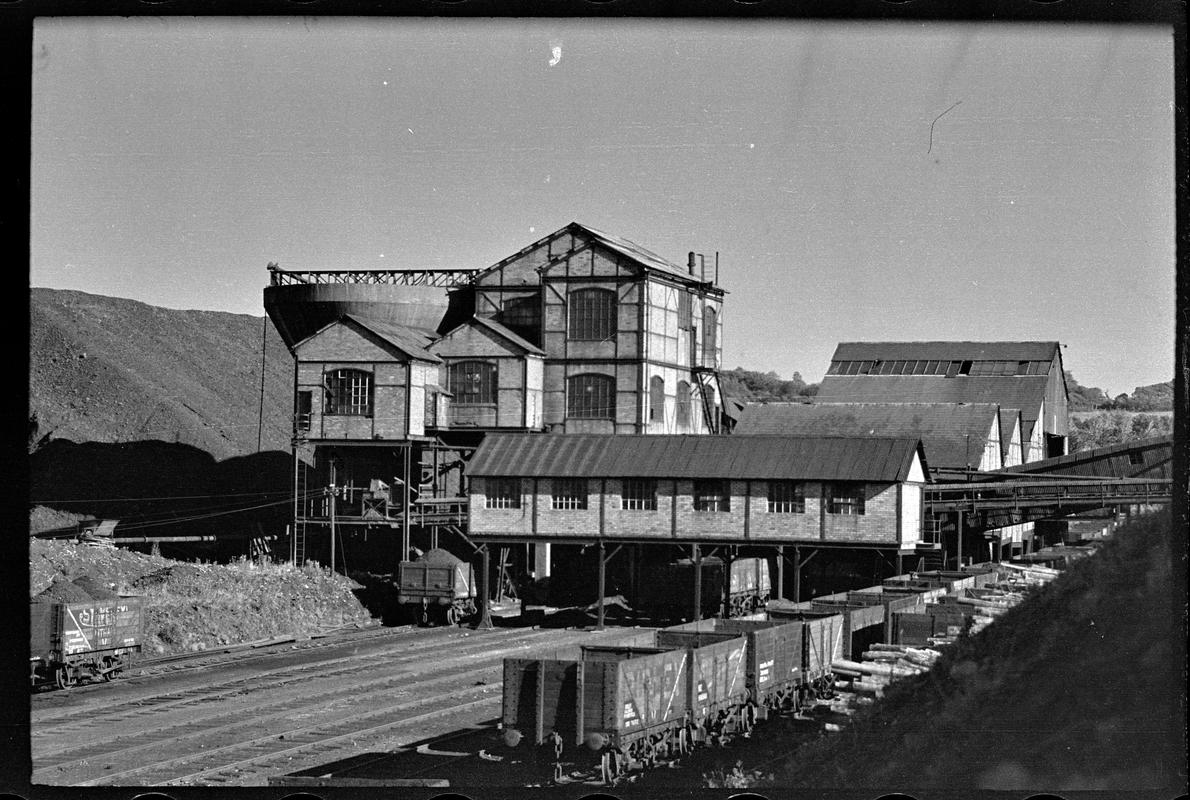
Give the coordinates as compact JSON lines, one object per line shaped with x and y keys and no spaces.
{"x":109,"y":668}
{"x":64,"y":678}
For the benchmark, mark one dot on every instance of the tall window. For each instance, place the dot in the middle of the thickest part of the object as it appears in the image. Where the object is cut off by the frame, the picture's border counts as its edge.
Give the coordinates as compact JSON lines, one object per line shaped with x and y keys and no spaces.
{"x":591,"y":396}
{"x":712,"y":495}
{"x":503,"y":493}
{"x":683,"y":404}
{"x":656,"y":399}
{"x":685,"y":316}
{"x":787,"y":497}
{"x":709,"y":336}
{"x":592,"y":314}
{"x":845,"y":498}
{"x":349,"y":392}
{"x":472,"y":382}
{"x":569,"y":493}
{"x":639,"y":494}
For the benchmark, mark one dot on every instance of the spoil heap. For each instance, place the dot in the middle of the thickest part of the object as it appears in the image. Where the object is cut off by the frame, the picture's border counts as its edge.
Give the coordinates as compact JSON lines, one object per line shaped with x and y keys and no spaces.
{"x":198,"y":606}
{"x":1074,"y":688}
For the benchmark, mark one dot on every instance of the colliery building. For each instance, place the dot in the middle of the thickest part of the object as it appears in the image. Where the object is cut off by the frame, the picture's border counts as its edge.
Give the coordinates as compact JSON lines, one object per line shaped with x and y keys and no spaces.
{"x":569,"y":394}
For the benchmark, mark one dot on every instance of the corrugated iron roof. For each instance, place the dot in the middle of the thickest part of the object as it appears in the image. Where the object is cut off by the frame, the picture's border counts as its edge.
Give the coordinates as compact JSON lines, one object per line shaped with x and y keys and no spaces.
{"x":874,"y":459}
{"x":953,"y":434}
{"x":641,"y":255}
{"x":1155,"y":457}
{"x":942,"y":351}
{"x":1024,"y":392}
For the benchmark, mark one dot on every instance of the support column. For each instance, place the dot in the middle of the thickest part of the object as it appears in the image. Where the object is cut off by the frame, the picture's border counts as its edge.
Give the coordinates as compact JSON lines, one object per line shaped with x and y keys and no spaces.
{"x":780,"y":572}
{"x":484,"y":620}
{"x":728,"y":557}
{"x":696,"y":557}
{"x":602,"y":580}
{"x":541,"y":560}
{"x":331,"y":500}
{"x":959,"y":538}
{"x":900,"y":563}
{"x":407,"y":477}
{"x":797,"y":574}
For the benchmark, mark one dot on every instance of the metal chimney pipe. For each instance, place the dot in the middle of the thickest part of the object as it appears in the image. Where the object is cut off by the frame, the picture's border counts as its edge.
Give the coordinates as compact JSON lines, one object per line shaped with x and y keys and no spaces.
{"x":702,"y":259}
{"x":690,"y":262}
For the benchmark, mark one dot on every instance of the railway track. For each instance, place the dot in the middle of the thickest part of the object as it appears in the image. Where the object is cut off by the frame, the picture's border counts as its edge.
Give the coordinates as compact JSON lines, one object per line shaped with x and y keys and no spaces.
{"x":240,"y":721}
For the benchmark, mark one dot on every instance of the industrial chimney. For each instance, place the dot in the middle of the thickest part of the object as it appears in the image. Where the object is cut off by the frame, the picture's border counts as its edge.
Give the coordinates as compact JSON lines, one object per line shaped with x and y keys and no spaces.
{"x":690,"y":263}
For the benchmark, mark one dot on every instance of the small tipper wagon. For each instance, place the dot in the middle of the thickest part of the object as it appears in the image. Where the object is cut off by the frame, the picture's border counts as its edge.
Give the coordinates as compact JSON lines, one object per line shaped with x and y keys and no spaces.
{"x":93,"y":639}
{"x":438,"y":585}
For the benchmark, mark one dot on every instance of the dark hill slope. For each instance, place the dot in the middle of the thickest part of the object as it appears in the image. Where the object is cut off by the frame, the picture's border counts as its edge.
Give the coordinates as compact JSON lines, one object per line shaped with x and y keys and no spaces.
{"x":1080,"y":687}
{"x":107,"y":369}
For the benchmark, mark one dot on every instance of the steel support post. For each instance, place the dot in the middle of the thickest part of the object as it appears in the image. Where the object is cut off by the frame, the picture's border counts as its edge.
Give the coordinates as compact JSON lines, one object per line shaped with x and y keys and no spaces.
{"x":797,"y":574}
{"x":696,"y":558}
{"x":408,"y":458}
{"x":334,"y":494}
{"x":780,"y":572}
{"x":602,"y":580}
{"x":959,"y":538}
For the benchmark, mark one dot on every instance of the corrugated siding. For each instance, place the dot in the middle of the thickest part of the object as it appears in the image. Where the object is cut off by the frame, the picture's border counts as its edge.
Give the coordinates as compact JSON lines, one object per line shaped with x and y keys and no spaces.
{"x":941,"y":351}
{"x":1114,"y":461}
{"x":1026,"y":393}
{"x":873,"y":459}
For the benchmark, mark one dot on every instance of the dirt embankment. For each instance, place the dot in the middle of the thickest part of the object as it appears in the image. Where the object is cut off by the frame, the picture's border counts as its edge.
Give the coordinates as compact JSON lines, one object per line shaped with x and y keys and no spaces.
{"x":195,"y":606}
{"x":1077,"y":688}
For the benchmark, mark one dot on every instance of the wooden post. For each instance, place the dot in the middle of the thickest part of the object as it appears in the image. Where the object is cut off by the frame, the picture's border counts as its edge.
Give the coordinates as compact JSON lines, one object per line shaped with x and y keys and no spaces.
{"x":602,"y":579}
{"x":484,"y":619}
{"x":728,"y":557}
{"x":959,"y":536}
{"x":405,"y":516}
{"x":331,"y":499}
{"x":696,"y":557}
{"x":900,"y":563}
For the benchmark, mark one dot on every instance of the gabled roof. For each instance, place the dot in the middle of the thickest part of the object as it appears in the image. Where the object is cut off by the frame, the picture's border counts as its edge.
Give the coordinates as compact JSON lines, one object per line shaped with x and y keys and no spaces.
{"x":945,"y":351}
{"x":510,"y":335}
{"x":634,"y":252}
{"x":498,"y":330}
{"x":953,"y":434}
{"x":410,"y":341}
{"x":1024,"y":392}
{"x":872,"y":459}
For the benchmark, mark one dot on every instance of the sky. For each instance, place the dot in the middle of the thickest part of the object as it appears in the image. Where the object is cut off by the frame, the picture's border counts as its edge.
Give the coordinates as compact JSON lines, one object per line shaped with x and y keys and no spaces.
{"x":859,"y":181}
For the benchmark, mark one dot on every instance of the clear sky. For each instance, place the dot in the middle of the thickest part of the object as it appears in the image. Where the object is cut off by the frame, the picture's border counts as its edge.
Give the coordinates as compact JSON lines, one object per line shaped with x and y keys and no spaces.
{"x":859,"y":181}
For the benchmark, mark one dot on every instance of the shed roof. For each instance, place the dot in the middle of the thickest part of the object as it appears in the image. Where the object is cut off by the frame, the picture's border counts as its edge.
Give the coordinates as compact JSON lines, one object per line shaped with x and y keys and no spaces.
{"x":410,"y":341}
{"x":501,"y":331}
{"x":951,"y":433}
{"x":942,"y":351}
{"x":1024,"y":392}
{"x":643,"y":256}
{"x":874,"y":459}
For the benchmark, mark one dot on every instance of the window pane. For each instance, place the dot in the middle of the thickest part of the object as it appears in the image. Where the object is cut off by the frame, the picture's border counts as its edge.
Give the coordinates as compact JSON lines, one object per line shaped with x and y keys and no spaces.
{"x":592,"y":314}
{"x":503,"y":493}
{"x":472,"y":382}
{"x":569,"y":493}
{"x":590,"y":397}
{"x":711,"y":495}
{"x":683,"y":403}
{"x":349,"y":392}
{"x":787,"y":497}
{"x":845,"y":498}
{"x":639,"y":494}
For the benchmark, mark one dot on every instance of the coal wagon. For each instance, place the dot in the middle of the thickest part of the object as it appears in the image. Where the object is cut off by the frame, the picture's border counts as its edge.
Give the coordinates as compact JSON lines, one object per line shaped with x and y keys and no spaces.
{"x":669,"y":592}
{"x":86,"y":640}
{"x":438,"y":586}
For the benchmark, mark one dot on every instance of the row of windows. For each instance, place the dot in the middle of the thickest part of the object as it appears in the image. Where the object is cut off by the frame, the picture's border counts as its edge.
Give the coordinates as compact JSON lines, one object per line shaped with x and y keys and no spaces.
{"x":588,"y":396}
{"x":640,"y":494}
{"x":593,"y":317}
{"x":947,"y":368}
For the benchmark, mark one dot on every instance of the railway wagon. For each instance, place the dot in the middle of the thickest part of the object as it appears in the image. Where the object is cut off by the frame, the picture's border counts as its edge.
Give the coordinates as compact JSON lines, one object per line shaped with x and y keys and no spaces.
{"x":92,"y":639}
{"x":915,"y":626}
{"x":823,"y":633}
{"x":773,"y":667}
{"x":626,"y":702}
{"x":667,"y":594}
{"x":438,"y":587}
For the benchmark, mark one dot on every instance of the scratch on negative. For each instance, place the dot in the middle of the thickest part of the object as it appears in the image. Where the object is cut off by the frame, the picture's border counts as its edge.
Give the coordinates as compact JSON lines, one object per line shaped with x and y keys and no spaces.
{"x":940,"y":116}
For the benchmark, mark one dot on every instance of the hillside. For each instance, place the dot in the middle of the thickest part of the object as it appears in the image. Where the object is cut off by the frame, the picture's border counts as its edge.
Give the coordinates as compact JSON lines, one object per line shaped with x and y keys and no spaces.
{"x":106,"y":369}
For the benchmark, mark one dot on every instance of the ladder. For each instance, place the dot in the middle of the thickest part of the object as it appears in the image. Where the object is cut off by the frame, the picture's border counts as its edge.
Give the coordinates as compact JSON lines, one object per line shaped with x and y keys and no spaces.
{"x":300,"y":483}
{"x":704,"y":377}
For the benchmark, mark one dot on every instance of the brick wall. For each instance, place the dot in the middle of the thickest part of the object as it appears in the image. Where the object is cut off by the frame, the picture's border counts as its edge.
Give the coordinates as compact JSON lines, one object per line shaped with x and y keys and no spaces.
{"x":748,"y":516}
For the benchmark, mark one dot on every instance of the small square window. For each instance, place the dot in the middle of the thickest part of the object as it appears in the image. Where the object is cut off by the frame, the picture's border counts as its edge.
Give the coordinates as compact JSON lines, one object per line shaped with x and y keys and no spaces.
{"x":569,"y":494}
{"x":503,"y":493}
{"x":639,"y":494}
{"x":846,"y":499}
{"x":712,"y":495}
{"x":787,"y":497}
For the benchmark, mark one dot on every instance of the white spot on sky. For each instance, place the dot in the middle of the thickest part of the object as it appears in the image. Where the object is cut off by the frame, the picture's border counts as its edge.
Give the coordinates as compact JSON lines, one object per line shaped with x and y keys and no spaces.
{"x":409,"y":129}
{"x":385,"y":83}
{"x":547,"y":178}
{"x":556,"y":50}
{"x":382,"y":255}
{"x":751,"y":146}
{"x":532,"y":230}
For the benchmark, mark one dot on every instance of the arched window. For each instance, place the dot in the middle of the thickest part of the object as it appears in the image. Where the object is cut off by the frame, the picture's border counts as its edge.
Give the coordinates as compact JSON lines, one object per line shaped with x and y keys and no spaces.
{"x":592,"y":314}
{"x":591,"y":396}
{"x":683,"y":404}
{"x":657,"y":399}
{"x":349,"y":392}
{"x":709,"y":336}
{"x":472,"y":382}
